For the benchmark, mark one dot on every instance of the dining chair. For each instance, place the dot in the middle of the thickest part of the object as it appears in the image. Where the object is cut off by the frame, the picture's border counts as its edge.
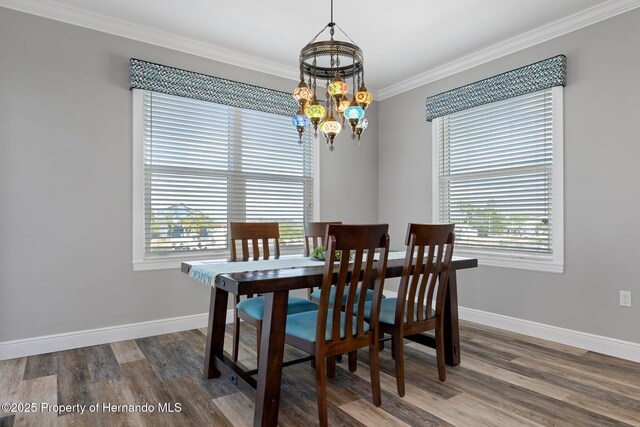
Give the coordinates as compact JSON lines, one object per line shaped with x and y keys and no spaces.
{"x":314,"y":236}
{"x":251,"y":309}
{"x":338,"y":326}
{"x":425,"y":276}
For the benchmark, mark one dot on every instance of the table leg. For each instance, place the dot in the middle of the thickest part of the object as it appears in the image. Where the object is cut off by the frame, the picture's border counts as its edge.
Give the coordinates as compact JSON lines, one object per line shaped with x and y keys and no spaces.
{"x":451,"y":326}
{"x":215,"y":333}
{"x":271,"y":356}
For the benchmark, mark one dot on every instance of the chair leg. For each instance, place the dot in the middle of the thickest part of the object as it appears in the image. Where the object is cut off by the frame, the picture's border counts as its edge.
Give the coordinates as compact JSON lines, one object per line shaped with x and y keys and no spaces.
{"x":393,"y":347}
{"x":353,"y":361}
{"x":236,"y":335}
{"x":374,"y":366}
{"x":381,"y":345}
{"x":398,"y":347}
{"x":442,"y":373}
{"x":321,"y":390}
{"x":331,"y":367}
{"x":258,"y":338}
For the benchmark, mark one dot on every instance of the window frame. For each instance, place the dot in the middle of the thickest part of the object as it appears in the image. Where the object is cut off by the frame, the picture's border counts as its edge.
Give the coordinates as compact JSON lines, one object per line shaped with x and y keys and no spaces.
{"x":143,"y":261}
{"x":553,"y":263}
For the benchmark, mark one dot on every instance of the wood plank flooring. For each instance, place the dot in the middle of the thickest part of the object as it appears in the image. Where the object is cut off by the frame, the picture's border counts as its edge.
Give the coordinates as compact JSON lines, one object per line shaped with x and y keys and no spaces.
{"x":505,"y":379}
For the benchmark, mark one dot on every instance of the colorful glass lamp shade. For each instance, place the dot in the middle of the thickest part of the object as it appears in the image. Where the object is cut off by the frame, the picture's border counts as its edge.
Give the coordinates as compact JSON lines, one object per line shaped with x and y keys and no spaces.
{"x":353,"y":114}
{"x":361,"y":126}
{"x":331,"y":128}
{"x":343,"y":105}
{"x":364,"y":97}
{"x":315,"y":112}
{"x":337,"y":89}
{"x":301,"y":121}
{"x":303,"y":94}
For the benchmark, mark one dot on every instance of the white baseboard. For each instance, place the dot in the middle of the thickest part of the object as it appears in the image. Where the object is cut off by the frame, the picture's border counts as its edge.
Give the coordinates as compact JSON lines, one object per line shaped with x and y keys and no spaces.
{"x":610,"y":346}
{"x":597,"y":343}
{"x":58,"y":342}
{"x":71,"y":340}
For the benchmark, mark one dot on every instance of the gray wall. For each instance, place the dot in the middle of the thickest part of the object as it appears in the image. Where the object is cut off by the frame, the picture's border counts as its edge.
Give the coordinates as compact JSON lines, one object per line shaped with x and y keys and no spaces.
{"x":602,"y":172}
{"x":66,"y":181}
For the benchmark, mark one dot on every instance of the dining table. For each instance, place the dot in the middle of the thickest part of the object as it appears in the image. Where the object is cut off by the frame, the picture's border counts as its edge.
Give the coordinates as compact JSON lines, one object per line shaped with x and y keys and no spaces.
{"x":274,"y":279}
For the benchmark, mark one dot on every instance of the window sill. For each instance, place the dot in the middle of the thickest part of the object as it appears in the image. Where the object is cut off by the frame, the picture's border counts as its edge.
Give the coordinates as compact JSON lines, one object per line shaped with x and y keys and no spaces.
{"x":169,"y":263}
{"x":542,"y":264}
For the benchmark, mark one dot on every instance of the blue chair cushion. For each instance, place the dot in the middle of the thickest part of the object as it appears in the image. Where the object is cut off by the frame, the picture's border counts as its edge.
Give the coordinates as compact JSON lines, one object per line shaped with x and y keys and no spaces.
{"x":254,"y":307}
{"x":388,"y":311}
{"x":303,"y":325}
{"x":316,"y":294}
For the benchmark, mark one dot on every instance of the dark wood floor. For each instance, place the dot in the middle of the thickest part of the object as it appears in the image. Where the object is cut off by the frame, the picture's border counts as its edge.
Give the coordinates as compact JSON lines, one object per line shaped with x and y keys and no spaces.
{"x":504,"y":380}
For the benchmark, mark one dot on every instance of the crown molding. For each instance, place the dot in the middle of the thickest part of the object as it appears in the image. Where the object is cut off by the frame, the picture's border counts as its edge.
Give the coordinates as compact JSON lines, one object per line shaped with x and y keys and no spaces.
{"x":94,"y":21}
{"x":118,"y":27}
{"x":539,"y":35}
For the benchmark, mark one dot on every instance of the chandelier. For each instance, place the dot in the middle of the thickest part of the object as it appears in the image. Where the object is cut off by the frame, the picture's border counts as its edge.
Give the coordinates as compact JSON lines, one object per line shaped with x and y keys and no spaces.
{"x":334,"y":62}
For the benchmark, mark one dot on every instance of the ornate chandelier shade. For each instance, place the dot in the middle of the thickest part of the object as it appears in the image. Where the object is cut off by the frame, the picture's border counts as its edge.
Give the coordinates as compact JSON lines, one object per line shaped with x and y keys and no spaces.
{"x":334,"y":62}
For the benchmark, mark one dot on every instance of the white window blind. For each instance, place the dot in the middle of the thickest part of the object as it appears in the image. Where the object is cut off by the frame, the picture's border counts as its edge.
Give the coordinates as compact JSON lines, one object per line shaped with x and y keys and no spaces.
{"x":496,"y":175}
{"x":207,"y":164}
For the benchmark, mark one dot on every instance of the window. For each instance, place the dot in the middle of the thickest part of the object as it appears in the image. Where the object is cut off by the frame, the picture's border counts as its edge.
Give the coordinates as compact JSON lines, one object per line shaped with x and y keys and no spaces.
{"x":498,"y":176}
{"x":199,"y":165}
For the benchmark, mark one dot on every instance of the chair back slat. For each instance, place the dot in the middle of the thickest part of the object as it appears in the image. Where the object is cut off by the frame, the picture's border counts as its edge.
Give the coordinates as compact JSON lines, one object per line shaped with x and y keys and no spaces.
{"x":366,"y":283}
{"x":413,"y":285}
{"x":256,"y":233}
{"x":433,"y":278}
{"x":424,"y":285}
{"x":362,"y":241}
{"x":353,"y":288}
{"x":314,"y":234}
{"x":245,"y":249}
{"x":339,"y":291}
{"x":425,"y":276}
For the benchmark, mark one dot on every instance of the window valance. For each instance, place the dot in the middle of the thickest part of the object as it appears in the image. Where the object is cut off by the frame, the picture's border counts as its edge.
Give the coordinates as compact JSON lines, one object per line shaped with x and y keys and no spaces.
{"x":174,"y":81}
{"x":530,"y":78}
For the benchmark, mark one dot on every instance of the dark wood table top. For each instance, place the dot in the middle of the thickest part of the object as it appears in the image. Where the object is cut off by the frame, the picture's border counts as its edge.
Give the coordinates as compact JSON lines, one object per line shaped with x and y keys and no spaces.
{"x":274,"y":280}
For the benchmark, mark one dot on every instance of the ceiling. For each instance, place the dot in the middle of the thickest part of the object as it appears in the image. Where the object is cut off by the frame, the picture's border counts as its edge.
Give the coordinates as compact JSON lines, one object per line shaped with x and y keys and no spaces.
{"x":400,"y":39}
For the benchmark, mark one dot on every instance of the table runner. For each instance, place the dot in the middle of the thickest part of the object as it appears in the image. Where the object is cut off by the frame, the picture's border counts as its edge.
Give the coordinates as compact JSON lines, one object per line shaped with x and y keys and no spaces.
{"x":207,"y":273}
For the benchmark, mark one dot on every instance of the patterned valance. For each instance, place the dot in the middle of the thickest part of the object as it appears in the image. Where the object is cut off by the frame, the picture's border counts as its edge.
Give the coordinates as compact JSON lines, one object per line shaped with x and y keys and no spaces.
{"x":530,"y":78}
{"x":174,"y":81}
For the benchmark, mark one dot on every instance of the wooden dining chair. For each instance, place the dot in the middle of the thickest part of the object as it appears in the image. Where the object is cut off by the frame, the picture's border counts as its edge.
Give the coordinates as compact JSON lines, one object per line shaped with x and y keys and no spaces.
{"x":425,"y":276}
{"x":251,"y":309}
{"x":314,"y":234}
{"x":338,"y":326}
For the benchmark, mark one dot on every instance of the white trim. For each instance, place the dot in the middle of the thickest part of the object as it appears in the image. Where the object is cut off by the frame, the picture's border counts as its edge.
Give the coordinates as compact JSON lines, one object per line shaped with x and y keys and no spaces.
{"x":99,"y":22}
{"x":557,"y":201}
{"x":553,"y":263}
{"x":85,"y":338}
{"x":435,"y":170}
{"x":485,"y":259}
{"x":168,"y":262}
{"x":138,"y":179}
{"x":316,"y":177}
{"x":611,"y":346}
{"x":536,"y":36}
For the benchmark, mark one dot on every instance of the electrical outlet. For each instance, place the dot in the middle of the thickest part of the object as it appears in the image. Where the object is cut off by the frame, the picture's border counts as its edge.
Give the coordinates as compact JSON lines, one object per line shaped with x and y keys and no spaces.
{"x":625,"y":298}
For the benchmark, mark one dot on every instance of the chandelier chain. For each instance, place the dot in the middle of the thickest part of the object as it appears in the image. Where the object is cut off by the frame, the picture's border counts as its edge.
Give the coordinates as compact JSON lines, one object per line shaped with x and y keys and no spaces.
{"x":345,"y":34}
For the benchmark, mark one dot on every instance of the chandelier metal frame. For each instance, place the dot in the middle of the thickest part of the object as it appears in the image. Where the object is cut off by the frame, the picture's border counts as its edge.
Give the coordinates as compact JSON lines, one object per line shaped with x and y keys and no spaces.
{"x":333,"y":61}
